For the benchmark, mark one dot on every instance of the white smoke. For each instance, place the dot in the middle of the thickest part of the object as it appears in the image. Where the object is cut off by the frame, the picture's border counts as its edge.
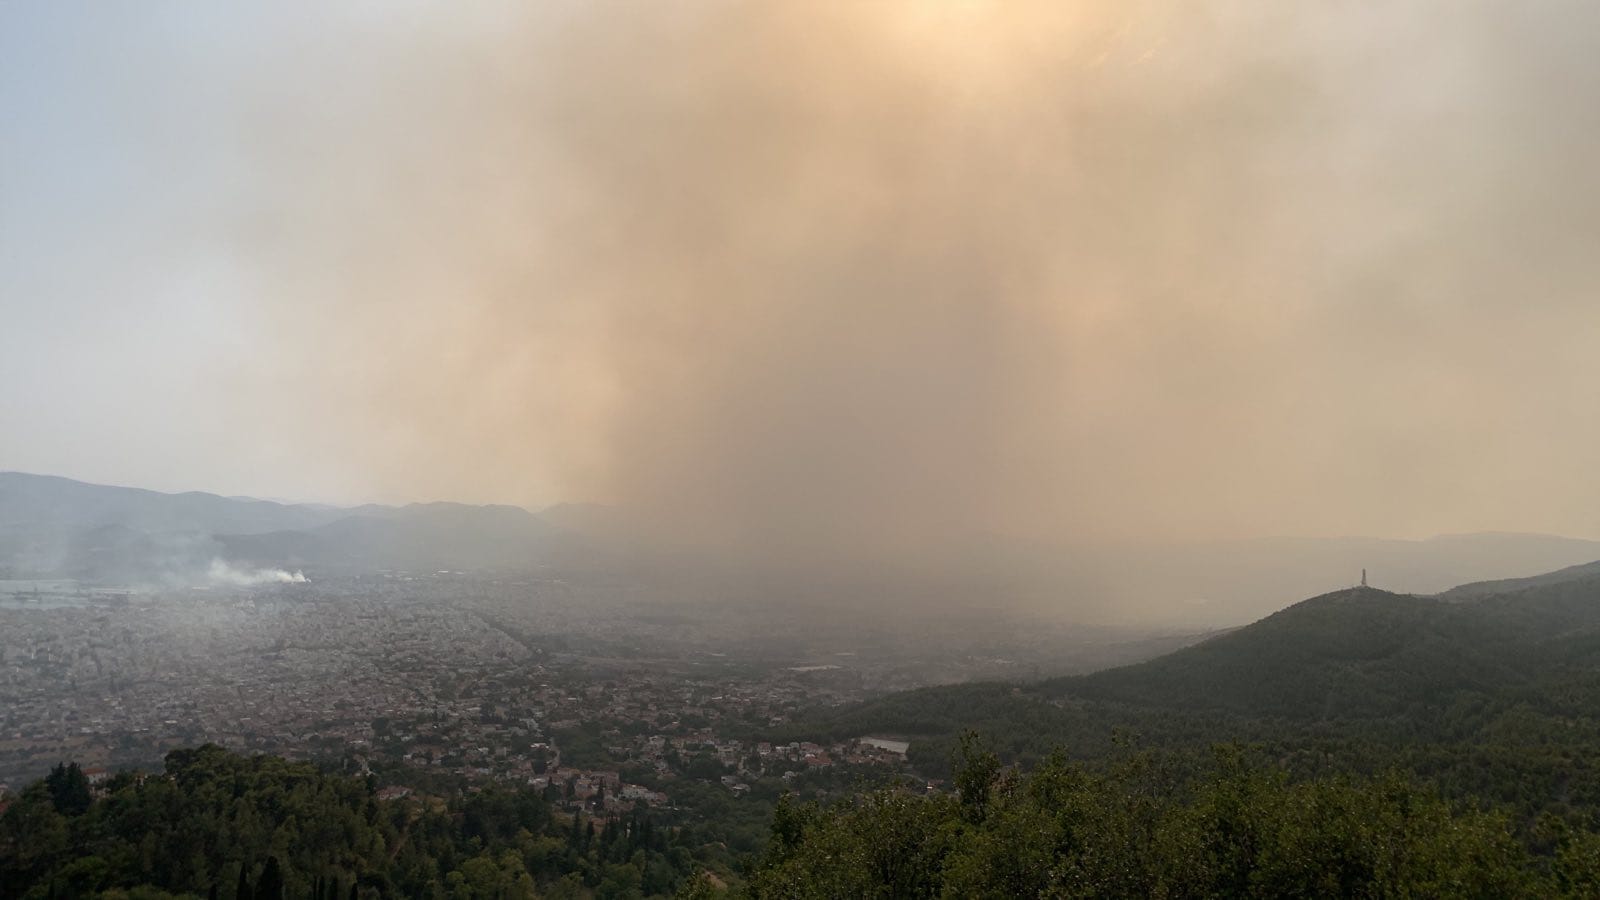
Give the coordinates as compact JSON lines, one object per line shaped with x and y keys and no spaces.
{"x":223,"y":572}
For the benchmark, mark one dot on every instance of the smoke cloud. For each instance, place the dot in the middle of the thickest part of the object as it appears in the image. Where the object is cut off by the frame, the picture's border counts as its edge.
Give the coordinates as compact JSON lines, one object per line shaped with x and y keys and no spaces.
{"x":848,"y":283}
{"x":221,"y":572}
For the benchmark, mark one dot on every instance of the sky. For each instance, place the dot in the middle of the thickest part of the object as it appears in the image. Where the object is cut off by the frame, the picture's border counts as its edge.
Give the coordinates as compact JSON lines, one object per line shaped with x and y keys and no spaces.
{"x":858,"y":278}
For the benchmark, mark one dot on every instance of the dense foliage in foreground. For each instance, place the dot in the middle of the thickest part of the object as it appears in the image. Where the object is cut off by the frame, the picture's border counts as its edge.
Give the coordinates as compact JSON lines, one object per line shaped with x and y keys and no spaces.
{"x":222,"y":825}
{"x":1134,"y":831}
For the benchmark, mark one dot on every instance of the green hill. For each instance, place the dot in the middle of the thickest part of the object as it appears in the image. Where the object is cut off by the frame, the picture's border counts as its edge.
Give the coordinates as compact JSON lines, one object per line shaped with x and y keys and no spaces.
{"x":1497,"y":693}
{"x":1361,"y":653}
{"x":1367,"y":654}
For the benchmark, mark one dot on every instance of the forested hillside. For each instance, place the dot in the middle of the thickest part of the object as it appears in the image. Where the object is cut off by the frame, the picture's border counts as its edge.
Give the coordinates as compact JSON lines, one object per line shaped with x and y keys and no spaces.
{"x":1488,"y":702}
{"x":220,"y":825}
{"x":1139,"y":829}
{"x":216,"y":824}
{"x":1496,"y":696}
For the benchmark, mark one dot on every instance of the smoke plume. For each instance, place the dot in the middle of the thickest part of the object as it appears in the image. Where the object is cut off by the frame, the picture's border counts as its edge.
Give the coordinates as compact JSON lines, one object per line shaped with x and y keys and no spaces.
{"x":880,"y":283}
{"x":221,"y":572}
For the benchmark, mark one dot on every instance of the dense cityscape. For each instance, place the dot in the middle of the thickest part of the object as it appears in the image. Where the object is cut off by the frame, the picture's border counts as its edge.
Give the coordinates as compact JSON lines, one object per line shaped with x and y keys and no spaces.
{"x":535,"y":681}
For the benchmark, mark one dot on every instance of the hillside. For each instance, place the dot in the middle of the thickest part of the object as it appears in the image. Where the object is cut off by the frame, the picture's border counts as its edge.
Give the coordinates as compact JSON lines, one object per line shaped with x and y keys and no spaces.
{"x":1480,"y":589}
{"x":223,"y":825}
{"x":1505,"y":682}
{"x":220,"y":825}
{"x":1359,"y":653}
{"x":1238,"y":829}
{"x":1365,"y":653}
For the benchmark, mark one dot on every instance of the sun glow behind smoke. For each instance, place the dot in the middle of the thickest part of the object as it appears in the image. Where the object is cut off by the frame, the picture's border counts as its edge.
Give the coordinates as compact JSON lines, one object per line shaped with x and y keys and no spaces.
{"x":977,"y":46}
{"x":962,"y":37}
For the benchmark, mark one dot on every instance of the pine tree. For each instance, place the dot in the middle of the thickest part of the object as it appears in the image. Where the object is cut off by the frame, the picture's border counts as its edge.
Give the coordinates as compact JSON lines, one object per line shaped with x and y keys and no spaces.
{"x":242,"y":892}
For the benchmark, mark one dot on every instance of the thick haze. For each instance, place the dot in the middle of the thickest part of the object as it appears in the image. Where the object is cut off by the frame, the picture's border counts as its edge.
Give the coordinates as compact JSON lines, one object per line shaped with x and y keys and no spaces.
{"x":817,"y":280}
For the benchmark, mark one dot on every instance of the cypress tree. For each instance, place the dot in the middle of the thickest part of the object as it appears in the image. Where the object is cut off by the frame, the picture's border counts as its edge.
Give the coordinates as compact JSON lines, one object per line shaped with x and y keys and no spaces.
{"x":270,"y":887}
{"x":242,"y":892}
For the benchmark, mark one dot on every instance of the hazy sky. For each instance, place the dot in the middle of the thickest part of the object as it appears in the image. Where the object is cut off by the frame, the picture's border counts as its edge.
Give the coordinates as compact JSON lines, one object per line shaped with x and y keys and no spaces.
{"x":866,"y":274}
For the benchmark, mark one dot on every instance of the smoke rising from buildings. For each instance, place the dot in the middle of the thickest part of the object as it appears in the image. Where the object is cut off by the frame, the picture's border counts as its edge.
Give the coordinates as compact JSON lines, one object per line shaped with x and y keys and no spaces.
{"x":222,"y":572}
{"x":882,"y":283}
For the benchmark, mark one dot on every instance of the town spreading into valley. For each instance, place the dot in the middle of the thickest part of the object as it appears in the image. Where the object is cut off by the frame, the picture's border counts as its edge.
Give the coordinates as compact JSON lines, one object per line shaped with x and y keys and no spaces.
{"x":446,"y":679}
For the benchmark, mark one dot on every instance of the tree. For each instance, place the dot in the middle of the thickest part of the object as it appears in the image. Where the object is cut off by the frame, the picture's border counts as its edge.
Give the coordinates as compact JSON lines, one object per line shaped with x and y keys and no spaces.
{"x":976,"y":767}
{"x":270,"y":887}
{"x":69,"y":789}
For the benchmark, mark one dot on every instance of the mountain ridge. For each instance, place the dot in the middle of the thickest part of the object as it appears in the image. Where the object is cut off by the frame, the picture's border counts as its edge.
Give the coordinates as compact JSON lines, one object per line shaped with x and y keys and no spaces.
{"x":1355,"y":674}
{"x":52,"y":526}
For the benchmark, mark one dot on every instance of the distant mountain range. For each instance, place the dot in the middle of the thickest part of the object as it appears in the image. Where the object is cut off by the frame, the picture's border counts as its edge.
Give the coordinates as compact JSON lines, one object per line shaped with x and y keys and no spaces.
{"x":53,"y":527}
{"x":57,"y":527}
